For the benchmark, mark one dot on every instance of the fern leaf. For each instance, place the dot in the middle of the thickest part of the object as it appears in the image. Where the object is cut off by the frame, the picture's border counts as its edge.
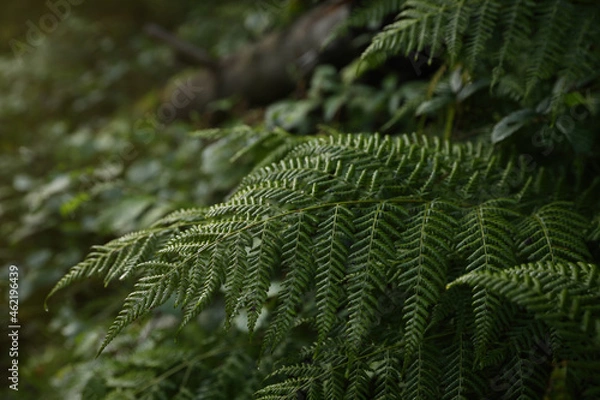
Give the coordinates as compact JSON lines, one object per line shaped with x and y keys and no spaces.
{"x":359,"y":380}
{"x":334,"y":235}
{"x":149,"y":292}
{"x":554,"y":233}
{"x":523,"y":378}
{"x":458,"y":378}
{"x":548,"y":42}
{"x":262,"y":258}
{"x":301,"y":378}
{"x":206,"y":280}
{"x":373,"y":250}
{"x":560,"y":294}
{"x":516,"y":30}
{"x":423,"y":262}
{"x":236,"y":273}
{"x":485,"y":19}
{"x":117,"y":258}
{"x":486,"y":239}
{"x":579,"y":61}
{"x":374,"y":13}
{"x":423,"y":374}
{"x":297,"y":259}
{"x":487,"y":245}
{"x":458,"y":22}
{"x":387,"y":375}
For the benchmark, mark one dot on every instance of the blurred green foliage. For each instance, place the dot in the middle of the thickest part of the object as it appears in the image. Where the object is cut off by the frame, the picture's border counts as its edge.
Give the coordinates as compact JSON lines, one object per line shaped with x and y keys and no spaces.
{"x":83,"y":159}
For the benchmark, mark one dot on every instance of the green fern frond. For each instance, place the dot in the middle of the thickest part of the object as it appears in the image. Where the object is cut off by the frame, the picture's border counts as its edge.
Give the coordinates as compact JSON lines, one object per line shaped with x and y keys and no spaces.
{"x":149,"y":292}
{"x":411,"y":31}
{"x":302,"y":378}
{"x":515,"y":20}
{"x":458,"y":22}
{"x":298,"y":262}
{"x":554,"y":21}
{"x":334,"y":233}
{"x":579,"y":61}
{"x":203,"y":286}
{"x":262,"y":258}
{"x":497,"y":34}
{"x":549,"y":291}
{"x":376,"y":241}
{"x":422,"y":267}
{"x":117,"y":259}
{"x":422,"y":375}
{"x":377,"y":231}
{"x":387,"y":374}
{"x":459,"y":380}
{"x":487,"y":240}
{"x":489,"y":246}
{"x":523,"y":378}
{"x":554,"y":233}
{"x":484,"y":23}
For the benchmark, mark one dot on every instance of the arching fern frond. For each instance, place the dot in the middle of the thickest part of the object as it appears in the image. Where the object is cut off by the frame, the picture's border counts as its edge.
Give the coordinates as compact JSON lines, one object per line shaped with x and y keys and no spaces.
{"x":554,"y":233}
{"x":497,"y":34}
{"x":423,"y":263}
{"x":551,"y":292}
{"x":374,"y":241}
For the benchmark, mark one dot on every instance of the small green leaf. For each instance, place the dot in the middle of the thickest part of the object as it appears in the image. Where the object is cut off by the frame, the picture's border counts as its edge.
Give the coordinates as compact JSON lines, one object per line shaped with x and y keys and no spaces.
{"x":433,"y":105}
{"x":511,"y":123}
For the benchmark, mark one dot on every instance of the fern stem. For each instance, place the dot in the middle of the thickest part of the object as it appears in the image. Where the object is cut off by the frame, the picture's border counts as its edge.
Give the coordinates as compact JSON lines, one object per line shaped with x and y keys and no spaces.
{"x":449,"y":121}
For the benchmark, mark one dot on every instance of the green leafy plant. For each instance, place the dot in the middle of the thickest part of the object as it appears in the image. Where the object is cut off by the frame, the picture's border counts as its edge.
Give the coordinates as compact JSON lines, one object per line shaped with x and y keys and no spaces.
{"x":476,"y":260}
{"x":538,"y":57}
{"x":369,"y":266}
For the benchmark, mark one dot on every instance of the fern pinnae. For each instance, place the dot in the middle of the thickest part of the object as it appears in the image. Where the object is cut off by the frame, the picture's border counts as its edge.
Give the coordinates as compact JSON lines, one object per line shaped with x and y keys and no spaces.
{"x":208,"y":273}
{"x":334,"y":233}
{"x":458,"y":22}
{"x":418,"y":169}
{"x":149,"y":292}
{"x":179,"y":217}
{"x":548,"y":43}
{"x":436,"y":34}
{"x":458,"y":379}
{"x":298,"y":262}
{"x":387,"y":375}
{"x":422,"y":271}
{"x":373,"y":250}
{"x":127,"y":261}
{"x":421,"y":380}
{"x":486,"y":238}
{"x":485,"y":22}
{"x":373,"y":14}
{"x":236,"y":273}
{"x":103,"y":260}
{"x":263,"y":257}
{"x":544,"y":289}
{"x":523,"y":378}
{"x":433,"y":176}
{"x":516,"y":30}
{"x":487,"y":245}
{"x":555,"y":233}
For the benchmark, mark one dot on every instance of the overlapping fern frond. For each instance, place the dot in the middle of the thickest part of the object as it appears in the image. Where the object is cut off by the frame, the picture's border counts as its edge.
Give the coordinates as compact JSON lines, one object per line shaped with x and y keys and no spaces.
{"x":376,"y":242}
{"x":495,"y":32}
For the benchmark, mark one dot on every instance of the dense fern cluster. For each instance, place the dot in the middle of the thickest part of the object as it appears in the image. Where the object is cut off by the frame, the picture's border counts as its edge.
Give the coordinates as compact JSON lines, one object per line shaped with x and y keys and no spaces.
{"x":425,"y":270}
{"x":537,"y":60}
{"x":545,"y":38}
